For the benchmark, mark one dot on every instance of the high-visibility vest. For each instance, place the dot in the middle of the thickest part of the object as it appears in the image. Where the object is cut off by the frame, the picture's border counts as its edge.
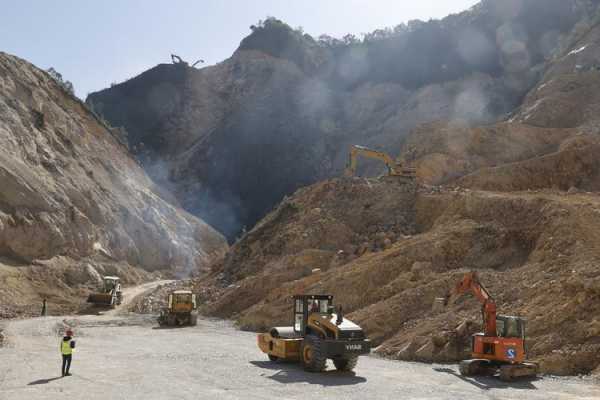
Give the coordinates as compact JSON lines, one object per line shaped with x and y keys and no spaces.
{"x":65,"y":348}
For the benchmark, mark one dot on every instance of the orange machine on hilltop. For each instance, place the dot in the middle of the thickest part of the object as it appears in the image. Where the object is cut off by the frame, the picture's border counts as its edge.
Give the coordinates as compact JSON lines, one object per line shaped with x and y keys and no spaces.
{"x":501,"y":345}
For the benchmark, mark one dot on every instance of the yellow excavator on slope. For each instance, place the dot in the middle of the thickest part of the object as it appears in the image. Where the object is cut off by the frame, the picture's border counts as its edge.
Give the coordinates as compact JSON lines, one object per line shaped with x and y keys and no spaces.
{"x":395,"y":168}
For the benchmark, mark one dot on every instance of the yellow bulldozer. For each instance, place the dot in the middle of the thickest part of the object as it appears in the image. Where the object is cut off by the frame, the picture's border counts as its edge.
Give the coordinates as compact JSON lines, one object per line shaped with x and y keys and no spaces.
{"x":317,"y":334}
{"x":110,"y":293}
{"x":395,"y":168}
{"x":180,"y":311}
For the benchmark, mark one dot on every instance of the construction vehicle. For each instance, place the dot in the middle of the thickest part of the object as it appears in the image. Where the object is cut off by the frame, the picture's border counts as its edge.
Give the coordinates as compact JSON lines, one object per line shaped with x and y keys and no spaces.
{"x":317,"y":334}
{"x":500,"y":348}
{"x":180,"y":311}
{"x":175,"y":59}
{"x":109,"y":295}
{"x":396,"y":168}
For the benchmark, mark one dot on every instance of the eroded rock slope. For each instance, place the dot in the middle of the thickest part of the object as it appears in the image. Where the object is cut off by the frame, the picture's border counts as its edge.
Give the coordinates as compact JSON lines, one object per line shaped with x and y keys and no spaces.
{"x":231,"y":140}
{"x":74,"y":204}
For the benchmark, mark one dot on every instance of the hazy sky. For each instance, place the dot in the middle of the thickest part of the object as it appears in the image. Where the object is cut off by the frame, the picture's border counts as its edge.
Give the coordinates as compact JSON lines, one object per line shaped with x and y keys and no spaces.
{"x":94,"y":43}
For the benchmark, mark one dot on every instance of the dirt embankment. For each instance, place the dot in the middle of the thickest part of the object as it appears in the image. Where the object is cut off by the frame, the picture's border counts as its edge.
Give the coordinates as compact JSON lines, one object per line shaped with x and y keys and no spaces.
{"x":386,"y":251}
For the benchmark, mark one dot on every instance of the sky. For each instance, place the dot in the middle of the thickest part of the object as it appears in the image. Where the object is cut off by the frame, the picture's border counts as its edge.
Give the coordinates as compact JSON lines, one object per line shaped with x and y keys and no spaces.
{"x":96,"y":43}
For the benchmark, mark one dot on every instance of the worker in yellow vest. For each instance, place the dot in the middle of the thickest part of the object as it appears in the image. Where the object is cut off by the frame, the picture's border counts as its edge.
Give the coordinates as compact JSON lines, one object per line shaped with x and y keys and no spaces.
{"x":67,"y":347}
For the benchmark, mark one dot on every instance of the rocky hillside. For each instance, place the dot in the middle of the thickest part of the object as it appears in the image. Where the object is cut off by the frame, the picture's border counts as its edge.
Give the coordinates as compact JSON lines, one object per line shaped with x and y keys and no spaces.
{"x":386,"y":251}
{"x":74,"y":204}
{"x":231,"y":140}
{"x":516,"y":201}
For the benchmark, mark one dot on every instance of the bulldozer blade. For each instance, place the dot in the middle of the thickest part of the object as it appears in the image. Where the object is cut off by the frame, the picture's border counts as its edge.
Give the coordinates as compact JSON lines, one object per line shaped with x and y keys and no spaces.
{"x":100,"y":299}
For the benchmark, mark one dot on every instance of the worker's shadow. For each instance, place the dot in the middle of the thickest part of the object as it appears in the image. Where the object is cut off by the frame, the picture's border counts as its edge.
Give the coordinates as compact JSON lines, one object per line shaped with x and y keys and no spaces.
{"x":293,"y":373}
{"x":44,"y":381}
{"x":490,"y":382}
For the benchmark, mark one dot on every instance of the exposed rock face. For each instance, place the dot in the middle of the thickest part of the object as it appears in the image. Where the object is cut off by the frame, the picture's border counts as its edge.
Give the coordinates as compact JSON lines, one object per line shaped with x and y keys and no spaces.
{"x":550,"y":141}
{"x":71,"y":192}
{"x":567,"y":95}
{"x":232,"y":139}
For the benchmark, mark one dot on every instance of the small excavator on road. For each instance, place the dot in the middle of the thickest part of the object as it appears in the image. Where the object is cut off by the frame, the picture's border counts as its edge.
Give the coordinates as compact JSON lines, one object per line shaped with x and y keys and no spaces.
{"x":317,"y":334}
{"x":500,"y":348}
{"x":395,"y":168}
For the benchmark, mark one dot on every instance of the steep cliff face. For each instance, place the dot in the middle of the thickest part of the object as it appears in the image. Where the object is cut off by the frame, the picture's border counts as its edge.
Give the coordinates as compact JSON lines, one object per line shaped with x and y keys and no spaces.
{"x":233,"y":139}
{"x":73,"y":199}
{"x":548,"y":142}
{"x":567,"y":95}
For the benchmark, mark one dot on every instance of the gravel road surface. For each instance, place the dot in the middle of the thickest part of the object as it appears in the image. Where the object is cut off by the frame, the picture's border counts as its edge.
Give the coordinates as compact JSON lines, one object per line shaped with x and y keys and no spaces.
{"x":129,"y":357}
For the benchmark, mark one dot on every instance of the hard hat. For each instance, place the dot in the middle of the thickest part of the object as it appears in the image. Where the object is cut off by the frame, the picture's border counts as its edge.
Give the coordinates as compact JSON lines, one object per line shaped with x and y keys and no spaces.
{"x":69,"y":332}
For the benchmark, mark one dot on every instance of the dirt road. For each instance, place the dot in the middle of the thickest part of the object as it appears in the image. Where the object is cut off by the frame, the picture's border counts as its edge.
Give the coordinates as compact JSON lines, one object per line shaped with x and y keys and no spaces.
{"x":127,"y":357}
{"x":130,"y":293}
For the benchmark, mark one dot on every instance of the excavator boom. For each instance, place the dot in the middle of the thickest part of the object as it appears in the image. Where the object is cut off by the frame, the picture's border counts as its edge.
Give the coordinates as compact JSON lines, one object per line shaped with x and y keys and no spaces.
{"x":471,"y":283}
{"x":394,"y":168}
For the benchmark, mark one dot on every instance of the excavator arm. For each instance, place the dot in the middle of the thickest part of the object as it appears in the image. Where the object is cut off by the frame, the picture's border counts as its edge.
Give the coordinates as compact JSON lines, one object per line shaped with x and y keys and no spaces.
{"x":471,"y":283}
{"x":355,"y":151}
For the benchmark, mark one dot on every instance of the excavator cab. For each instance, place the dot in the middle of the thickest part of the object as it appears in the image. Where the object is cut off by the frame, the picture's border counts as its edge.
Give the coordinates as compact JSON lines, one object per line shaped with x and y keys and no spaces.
{"x":510,"y":327}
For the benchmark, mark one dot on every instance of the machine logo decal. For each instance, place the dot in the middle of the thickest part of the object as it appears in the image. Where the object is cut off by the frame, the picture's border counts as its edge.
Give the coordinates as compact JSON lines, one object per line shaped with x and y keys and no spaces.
{"x":354,"y":347}
{"x":511,"y":353}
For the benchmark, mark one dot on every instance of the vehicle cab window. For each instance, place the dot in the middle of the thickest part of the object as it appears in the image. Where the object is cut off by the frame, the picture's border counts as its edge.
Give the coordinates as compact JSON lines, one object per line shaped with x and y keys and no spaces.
{"x":298,"y":315}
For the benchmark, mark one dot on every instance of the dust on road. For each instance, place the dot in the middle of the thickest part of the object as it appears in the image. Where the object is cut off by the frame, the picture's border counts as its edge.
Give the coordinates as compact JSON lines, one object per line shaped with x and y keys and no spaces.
{"x":128,"y":357}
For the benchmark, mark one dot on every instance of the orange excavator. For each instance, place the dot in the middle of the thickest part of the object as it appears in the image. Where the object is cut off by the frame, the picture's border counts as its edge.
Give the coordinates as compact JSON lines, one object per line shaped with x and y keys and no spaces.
{"x":501,"y":345}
